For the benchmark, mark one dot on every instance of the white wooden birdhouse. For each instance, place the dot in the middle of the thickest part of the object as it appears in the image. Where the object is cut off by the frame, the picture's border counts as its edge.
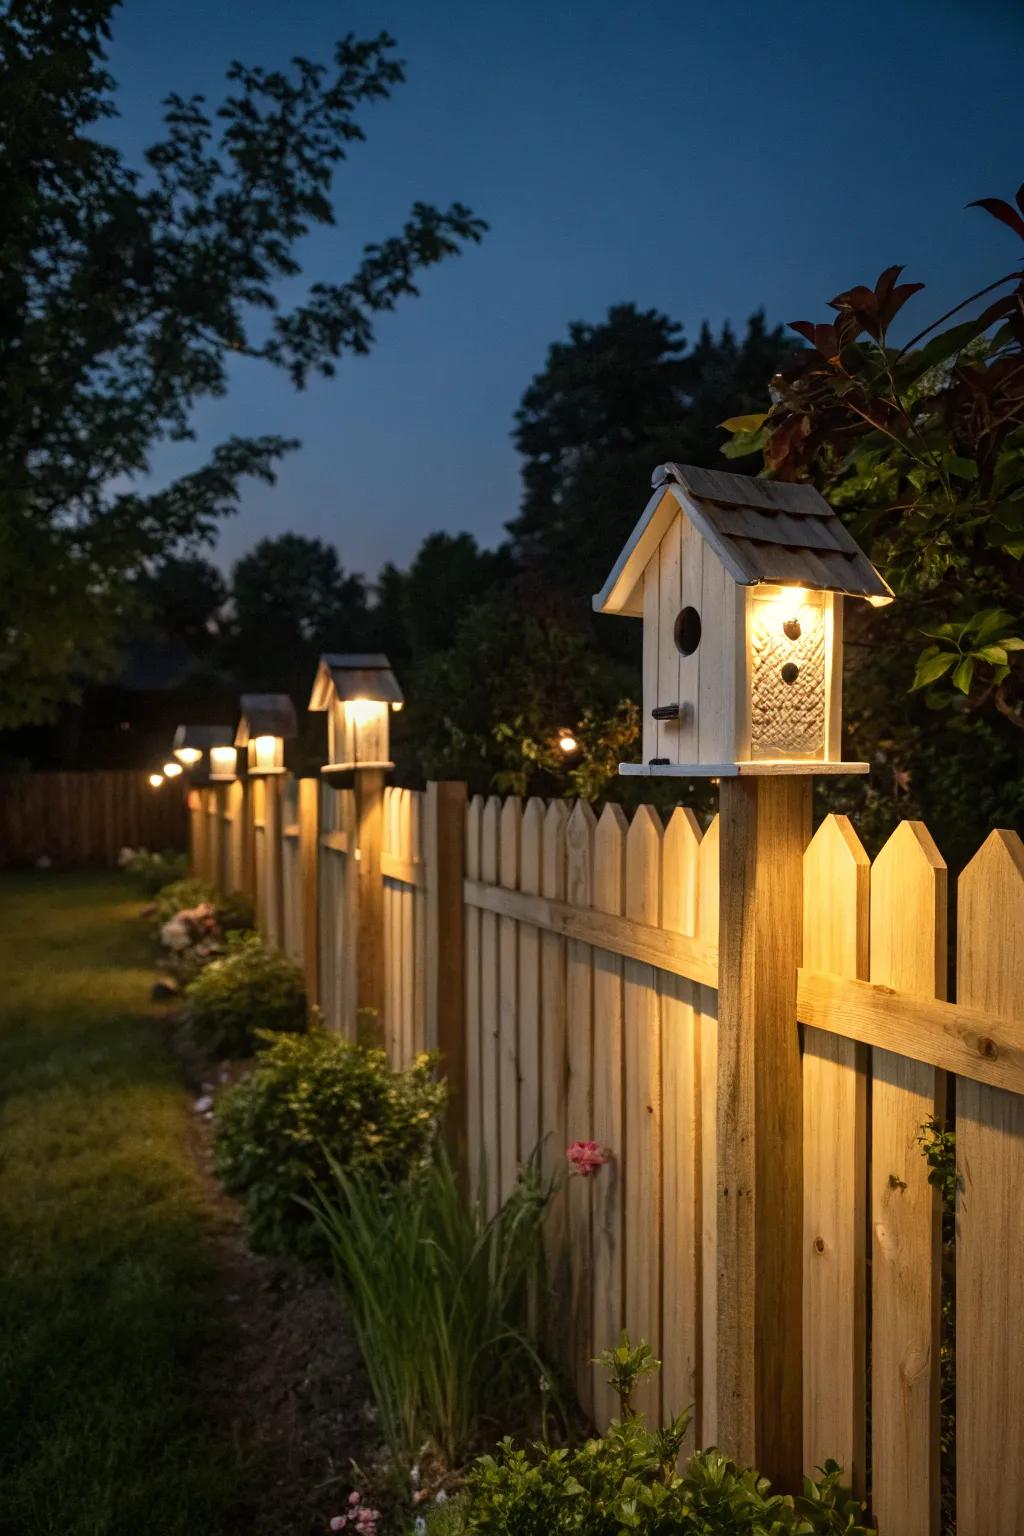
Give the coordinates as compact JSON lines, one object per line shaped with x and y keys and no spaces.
{"x":201,"y":749}
{"x":740,"y":583}
{"x":267,"y":722}
{"x":358,"y":694}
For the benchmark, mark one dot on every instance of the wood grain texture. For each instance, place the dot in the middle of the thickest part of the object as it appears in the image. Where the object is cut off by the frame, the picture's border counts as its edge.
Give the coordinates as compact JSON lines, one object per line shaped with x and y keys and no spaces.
{"x":908,"y":951}
{"x":651,"y":657}
{"x":669,"y":603}
{"x":681,"y":1178}
{"x":531,"y":861}
{"x":643,"y":1103}
{"x":837,"y":874}
{"x":508,"y":1000}
{"x":473,"y":1008}
{"x":990,"y":1216}
{"x":580,"y":1106}
{"x":608,"y":1118}
{"x":707,"y":1044}
{"x":490,"y":995}
{"x":444,"y":1025}
{"x":554,"y":1065}
{"x":765,"y":826}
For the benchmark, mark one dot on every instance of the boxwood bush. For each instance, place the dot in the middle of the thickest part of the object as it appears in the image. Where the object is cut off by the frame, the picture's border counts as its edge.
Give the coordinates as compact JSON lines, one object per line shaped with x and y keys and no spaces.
{"x":310,"y":1100}
{"x":250,"y":989}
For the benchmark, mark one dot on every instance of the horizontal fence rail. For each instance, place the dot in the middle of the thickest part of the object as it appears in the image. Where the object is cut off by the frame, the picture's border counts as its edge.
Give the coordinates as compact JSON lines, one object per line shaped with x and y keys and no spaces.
{"x":566,"y":966}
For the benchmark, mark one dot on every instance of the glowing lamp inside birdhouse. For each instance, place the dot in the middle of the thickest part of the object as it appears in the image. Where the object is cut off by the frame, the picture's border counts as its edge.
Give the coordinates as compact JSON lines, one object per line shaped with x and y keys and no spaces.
{"x":358,"y":693}
{"x":740,"y":584}
{"x":172,"y":770}
{"x":192,"y":747}
{"x":155,"y":780}
{"x":223,"y":764}
{"x":267,"y":722}
{"x":187,"y":755}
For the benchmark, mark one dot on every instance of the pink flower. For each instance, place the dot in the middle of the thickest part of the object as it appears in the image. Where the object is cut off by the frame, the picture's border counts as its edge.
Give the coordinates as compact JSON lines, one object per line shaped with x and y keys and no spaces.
{"x":586,"y":1157}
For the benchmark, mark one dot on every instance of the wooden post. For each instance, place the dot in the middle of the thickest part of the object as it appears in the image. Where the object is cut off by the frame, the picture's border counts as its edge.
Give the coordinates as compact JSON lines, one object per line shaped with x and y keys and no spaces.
{"x":248,"y":841}
{"x":765,"y":827}
{"x":309,"y":867}
{"x":445,"y":856}
{"x":369,"y":791}
{"x":273,"y":858}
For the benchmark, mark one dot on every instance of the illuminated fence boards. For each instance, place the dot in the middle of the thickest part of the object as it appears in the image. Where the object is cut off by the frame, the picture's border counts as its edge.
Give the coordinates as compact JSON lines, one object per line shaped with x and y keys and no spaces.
{"x":588,"y":957}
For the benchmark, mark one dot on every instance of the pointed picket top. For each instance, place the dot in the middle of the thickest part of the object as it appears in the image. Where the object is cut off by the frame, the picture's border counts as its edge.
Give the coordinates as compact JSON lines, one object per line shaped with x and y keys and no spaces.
{"x":490,"y":827}
{"x":580,"y":861}
{"x":643,"y":865}
{"x":511,"y":823}
{"x":990,"y":906}
{"x":553,"y":861}
{"x":837,"y":895}
{"x":610,"y":859}
{"x":908,"y":913}
{"x":680,"y":871}
{"x":474,"y":819}
{"x":531,"y":848}
{"x":707,"y":897}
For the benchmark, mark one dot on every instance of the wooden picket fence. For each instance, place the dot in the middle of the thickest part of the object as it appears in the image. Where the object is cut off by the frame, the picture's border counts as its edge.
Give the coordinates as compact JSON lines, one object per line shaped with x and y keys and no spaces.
{"x":87,"y":817}
{"x":567,"y":965}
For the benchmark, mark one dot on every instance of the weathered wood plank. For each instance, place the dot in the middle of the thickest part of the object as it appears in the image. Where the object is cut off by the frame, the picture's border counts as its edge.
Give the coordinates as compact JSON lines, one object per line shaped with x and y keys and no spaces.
{"x":837,"y":875}
{"x":908,"y":950}
{"x":580,"y":1052}
{"x":474,"y":1050}
{"x":531,"y":859}
{"x":490,"y":994}
{"x":554,"y":1061}
{"x":508,"y":1002}
{"x":707,"y":930}
{"x":990,"y":1216}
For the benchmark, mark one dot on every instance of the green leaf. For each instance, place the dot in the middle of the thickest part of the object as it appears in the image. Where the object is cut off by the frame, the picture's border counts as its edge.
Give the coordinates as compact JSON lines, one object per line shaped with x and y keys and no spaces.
{"x":993,"y":653}
{"x":751,"y":423}
{"x":956,"y":464}
{"x":964,"y":675}
{"x":931,"y":668}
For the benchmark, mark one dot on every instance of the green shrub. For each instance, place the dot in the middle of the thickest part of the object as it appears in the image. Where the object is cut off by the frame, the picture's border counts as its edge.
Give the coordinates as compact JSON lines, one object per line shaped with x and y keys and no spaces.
{"x":629,"y":1480}
{"x":440,"y":1301}
{"x":310,"y":1099}
{"x":233,"y":909}
{"x":248,"y":989}
{"x":152,"y":871}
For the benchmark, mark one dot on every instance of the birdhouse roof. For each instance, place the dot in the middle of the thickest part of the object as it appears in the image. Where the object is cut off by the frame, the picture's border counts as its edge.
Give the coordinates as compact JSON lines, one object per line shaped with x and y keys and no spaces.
{"x":265,"y":714}
{"x":761,"y":530}
{"x":354,"y":677}
{"x":203,"y":737}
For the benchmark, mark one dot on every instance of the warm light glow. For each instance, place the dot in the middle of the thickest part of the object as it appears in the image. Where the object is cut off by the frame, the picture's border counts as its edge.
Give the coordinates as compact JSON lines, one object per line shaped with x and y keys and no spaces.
{"x":567,"y":742}
{"x":171,"y":770}
{"x":156,"y":779}
{"x":880,"y":602}
{"x":187,"y":755}
{"x":223,"y":762}
{"x":397,"y":705}
{"x":264,"y":744}
{"x":264,"y":753}
{"x":362,"y":711}
{"x":791,"y":598}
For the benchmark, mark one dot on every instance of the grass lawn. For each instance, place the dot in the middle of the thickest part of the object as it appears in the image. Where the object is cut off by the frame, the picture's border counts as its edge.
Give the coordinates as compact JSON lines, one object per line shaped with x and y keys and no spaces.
{"x":107,"y":1292}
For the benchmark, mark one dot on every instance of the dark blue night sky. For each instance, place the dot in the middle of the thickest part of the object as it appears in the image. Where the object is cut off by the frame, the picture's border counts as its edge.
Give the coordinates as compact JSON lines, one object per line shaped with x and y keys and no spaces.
{"x":705,"y":159}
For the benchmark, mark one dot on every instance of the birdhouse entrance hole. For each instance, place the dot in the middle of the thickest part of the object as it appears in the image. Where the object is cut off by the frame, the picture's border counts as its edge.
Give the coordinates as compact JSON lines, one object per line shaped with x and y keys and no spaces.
{"x":687,"y":631}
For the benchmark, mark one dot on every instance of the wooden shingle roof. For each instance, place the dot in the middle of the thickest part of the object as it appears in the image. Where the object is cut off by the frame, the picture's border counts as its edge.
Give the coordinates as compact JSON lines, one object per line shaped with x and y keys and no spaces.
{"x":354,"y":677}
{"x":266,"y":714}
{"x":761,"y":530}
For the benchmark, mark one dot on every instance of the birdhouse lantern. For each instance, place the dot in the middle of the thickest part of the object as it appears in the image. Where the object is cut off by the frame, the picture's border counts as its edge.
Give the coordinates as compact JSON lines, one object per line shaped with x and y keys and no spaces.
{"x":197,"y":748}
{"x":267,"y":722}
{"x":358,"y":694}
{"x":740,"y":584}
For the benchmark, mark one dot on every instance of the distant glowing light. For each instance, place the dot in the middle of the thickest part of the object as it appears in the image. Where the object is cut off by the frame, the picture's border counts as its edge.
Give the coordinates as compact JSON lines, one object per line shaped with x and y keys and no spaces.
{"x":156,"y":779}
{"x":171,"y":770}
{"x":567,"y":741}
{"x":187,"y":755}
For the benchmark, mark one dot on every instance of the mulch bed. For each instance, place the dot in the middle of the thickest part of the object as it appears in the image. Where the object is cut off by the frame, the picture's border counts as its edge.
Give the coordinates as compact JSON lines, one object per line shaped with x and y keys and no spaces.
{"x":287,"y":1376}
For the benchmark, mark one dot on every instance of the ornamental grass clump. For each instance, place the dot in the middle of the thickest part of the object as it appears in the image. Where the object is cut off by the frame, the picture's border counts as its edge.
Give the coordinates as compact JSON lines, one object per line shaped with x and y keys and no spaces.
{"x":441,"y":1299}
{"x":248,"y":991}
{"x":313,"y":1105}
{"x":629,"y":1480}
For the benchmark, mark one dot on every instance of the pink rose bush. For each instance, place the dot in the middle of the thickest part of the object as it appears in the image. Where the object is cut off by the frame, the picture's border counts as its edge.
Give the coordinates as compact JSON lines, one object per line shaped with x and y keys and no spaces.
{"x":586,"y":1158}
{"x":362,"y":1519}
{"x":193,"y":936}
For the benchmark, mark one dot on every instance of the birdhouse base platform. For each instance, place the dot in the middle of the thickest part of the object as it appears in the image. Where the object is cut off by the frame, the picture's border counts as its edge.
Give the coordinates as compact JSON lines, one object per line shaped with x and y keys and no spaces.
{"x":761,"y":769}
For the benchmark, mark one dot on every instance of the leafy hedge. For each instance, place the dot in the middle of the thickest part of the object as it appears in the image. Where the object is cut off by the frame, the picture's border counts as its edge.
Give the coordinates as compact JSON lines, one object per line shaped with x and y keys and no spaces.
{"x":233,"y":909}
{"x":311,"y":1100}
{"x":249,"y":989}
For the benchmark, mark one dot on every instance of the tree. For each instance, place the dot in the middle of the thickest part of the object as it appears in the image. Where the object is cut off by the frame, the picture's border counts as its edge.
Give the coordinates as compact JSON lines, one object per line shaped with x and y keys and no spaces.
{"x":613,"y":401}
{"x":183,"y":598}
{"x":127,"y":293}
{"x":422,"y":605}
{"x":291,"y":600}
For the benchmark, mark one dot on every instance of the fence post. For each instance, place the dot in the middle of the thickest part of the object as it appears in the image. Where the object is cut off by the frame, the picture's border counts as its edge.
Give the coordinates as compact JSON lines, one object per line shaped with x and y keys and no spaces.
{"x":369,"y":793}
{"x":444,"y":854}
{"x":273,"y":858}
{"x":309,"y":866}
{"x":765,"y":826}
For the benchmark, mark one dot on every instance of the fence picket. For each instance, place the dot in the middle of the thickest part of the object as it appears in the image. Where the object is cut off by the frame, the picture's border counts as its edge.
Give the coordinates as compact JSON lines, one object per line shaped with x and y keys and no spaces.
{"x":490,"y":996}
{"x":642,"y":1055}
{"x":580,"y":1108}
{"x":407,"y":932}
{"x":908,"y":951}
{"x":837,"y":875}
{"x":990,"y":1218}
{"x":608,"y":1125}
{"x":707,"y":930}
{"x":554,"y":1057}
{"x":508,"y":1004}
{"x":531,"y":858}
{"x":474,"y":1079}
{"x":681,"y":1129}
